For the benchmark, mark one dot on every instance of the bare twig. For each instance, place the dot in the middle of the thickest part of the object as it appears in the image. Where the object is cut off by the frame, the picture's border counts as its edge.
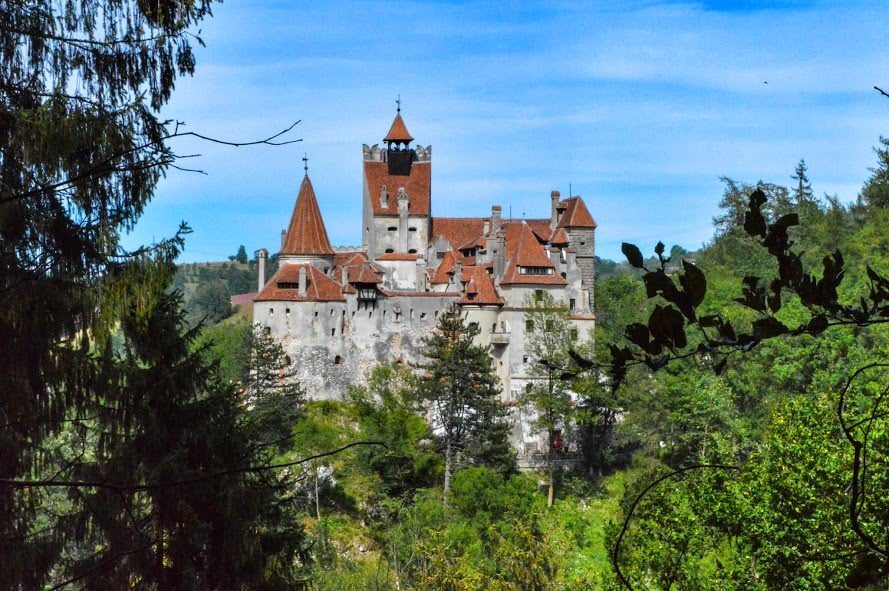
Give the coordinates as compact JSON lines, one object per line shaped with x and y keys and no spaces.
{"x":859,"y":452}
{"x":269,"y":141}
{"x":615,"y":553}
{"x":13,"y":483}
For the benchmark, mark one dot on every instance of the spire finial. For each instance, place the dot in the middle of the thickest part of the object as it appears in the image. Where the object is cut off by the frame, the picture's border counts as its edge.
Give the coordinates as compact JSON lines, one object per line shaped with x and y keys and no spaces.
{"x":306,"y":163}
{"x":398,"y":103}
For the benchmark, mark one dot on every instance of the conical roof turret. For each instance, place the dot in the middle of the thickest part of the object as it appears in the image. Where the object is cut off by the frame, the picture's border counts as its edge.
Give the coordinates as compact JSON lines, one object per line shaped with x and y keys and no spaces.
{"x":306,"y":234}
{"x":398,"y":132}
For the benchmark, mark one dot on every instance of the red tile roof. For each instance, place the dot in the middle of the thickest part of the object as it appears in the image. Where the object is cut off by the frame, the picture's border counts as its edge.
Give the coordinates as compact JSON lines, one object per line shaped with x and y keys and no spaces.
{"x":361,"y":270}
{"x":541,"y":228}
{"x":576,"y":214}
{"x":243,"y":298}
{"x":365,"y":274}
{"x":457,"y":231}
{"x":445,"y":266}
{"x":398,"y":256}
{"x":417,"y":186}
{"x":418,"y":294}
{"x":306,"y":233}
{"x":398,"y":131}
{"x":523,"y":249}
{"x":349,"y":257}
{"x":479,"y":290}
{"x":582,"y":316}
{"x":284,"y":286}
{"x":559,"y":237}
{"x":478,"y":242}
{"x":513,"y":277}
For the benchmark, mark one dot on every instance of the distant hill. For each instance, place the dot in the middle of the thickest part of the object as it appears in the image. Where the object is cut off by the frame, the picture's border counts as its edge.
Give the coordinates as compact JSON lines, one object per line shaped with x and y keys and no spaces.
{"x":207,"y":288}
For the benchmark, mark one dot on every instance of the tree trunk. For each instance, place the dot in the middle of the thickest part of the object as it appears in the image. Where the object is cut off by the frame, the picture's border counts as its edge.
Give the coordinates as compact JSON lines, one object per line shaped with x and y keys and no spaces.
{"x":317,"y":503}
{"x":550,"y":496}
{"x":447,"y":472}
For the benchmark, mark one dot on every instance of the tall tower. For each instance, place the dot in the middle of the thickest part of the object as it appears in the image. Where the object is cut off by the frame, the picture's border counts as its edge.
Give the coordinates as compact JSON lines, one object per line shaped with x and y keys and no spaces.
{"x":305,"y":240}
{"x":397,"y":194}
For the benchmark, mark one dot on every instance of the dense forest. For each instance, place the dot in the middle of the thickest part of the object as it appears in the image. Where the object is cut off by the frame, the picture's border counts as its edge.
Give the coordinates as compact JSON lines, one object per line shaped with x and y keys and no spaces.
{"x":751,"y":466}
{"x":729,"y":431}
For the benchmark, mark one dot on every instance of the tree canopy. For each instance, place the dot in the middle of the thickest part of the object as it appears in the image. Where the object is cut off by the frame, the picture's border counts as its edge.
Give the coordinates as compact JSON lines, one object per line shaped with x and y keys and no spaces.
{"x":460,"y":388}
{"x":126,"y":460}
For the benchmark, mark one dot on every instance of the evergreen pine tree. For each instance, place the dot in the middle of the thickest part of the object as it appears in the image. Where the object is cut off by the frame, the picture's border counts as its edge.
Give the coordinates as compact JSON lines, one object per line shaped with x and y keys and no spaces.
{"x":158,"y":473}
{"x":241,"y":256}
{"x":461,"y":391}
{"x":875,"y":193}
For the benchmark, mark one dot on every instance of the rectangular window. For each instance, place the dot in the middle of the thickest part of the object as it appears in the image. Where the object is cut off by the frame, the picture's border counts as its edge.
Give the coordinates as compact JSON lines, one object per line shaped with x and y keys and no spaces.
{"x":535,"y":270}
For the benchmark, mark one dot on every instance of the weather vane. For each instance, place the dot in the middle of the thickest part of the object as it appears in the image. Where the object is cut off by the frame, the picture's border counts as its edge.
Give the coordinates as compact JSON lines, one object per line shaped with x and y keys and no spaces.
{"x":398,"y":103}
{"x":306,"y":163}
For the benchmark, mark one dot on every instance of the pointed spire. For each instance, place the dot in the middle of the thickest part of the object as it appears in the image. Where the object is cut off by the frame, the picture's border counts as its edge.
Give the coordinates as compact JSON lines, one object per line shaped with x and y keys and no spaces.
{"x":306,"y":234}
{"x":398,"y":132}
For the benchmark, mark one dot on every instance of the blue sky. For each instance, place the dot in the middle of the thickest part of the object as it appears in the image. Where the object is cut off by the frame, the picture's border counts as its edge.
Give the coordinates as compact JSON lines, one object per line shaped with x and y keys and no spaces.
{"x":639,"y":107}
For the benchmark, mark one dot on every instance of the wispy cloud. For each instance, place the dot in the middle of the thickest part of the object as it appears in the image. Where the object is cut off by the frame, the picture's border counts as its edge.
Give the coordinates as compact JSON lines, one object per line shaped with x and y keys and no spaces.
{"x":639,"y":106}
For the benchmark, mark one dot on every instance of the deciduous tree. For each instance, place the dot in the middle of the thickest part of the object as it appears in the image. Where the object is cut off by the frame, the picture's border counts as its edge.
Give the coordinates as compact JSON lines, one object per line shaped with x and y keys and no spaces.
{"x":548,"y":338}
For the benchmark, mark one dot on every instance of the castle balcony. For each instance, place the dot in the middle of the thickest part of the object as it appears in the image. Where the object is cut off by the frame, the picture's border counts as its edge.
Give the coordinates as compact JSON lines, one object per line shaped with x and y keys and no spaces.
{"x":499,"y":338}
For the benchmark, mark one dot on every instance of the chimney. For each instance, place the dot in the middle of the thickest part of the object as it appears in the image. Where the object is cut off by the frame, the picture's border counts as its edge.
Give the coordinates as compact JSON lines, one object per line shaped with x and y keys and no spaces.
{"x":499,"y":257}
{"x":261,"y":257}
{"x":302,"y":281}
{"x":283,"y":238}
{"x":495,"y":218}
{"x":554,"y":215}
{"x":345,"y":276}
{"x":403,"y":210}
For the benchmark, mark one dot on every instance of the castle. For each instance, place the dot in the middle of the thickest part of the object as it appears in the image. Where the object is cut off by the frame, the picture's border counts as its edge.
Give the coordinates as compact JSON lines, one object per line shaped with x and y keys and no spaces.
{"x":339,"y":313}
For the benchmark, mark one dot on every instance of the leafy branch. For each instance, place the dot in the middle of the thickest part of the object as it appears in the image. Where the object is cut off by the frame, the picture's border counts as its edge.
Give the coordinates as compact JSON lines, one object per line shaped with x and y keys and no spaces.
{"x":665,"y":337}
{"x":677,"y":330}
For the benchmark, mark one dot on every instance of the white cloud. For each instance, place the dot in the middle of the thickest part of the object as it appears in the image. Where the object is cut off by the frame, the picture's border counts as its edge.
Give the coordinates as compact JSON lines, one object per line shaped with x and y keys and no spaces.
{"x":645,"y":103}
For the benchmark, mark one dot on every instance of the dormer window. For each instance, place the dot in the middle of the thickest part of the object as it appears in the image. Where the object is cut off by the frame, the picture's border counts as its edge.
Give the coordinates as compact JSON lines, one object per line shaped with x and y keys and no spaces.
{"x":536,"y":270}
{"x":367,"y":292}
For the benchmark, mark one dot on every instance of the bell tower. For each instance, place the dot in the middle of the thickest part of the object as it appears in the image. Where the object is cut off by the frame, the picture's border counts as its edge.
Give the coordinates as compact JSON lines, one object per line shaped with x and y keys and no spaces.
{"x":397,"y":194}
{"x":398,"y":151}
